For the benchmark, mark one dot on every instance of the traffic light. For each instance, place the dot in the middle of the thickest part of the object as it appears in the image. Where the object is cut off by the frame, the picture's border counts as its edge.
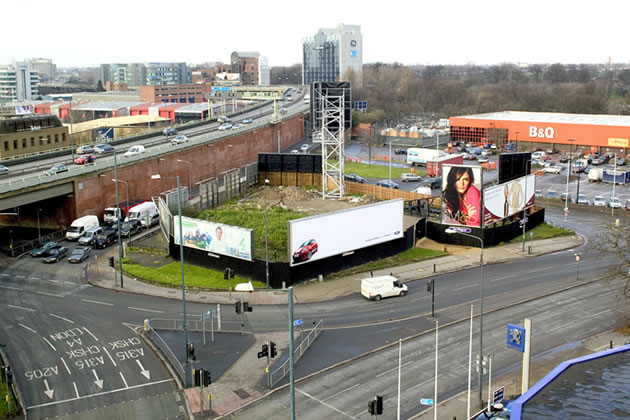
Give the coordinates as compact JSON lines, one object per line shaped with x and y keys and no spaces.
{"x":247,"y":308}
{"x":197,"y":377}
{"x":111,"y":262}
{"x":238,"y":307}
{"x":430,"y":286}
{"x":206,"y":379}
{"x":379,"y":404}
{"x":226,"y":273}
{"x":272,"y":349}
{"x":372,"y":407}
{"x":191,"y":351}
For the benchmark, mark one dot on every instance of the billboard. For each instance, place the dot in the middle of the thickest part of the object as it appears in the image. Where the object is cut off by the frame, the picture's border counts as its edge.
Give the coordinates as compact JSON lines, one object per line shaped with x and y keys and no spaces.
{"x":318,"y":237}
{"x":461,"y":195}
{"x":513,"y":166}
{"x":216,"y":238}
{"x":508,"y":198}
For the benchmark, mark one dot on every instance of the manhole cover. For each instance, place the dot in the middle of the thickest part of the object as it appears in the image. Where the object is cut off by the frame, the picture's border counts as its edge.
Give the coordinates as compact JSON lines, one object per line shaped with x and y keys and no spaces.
{"x":241,"y":393}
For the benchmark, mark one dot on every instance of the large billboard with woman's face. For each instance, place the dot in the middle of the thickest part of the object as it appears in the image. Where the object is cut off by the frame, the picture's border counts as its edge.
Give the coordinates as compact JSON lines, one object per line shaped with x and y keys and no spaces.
{"x":461,"y":195}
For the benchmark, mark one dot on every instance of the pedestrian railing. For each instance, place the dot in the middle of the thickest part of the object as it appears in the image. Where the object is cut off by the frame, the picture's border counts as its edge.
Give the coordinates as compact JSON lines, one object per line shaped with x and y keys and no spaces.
{"x":27,"y":246}
{"x":155,"y":338}
{"x":282,"y":371}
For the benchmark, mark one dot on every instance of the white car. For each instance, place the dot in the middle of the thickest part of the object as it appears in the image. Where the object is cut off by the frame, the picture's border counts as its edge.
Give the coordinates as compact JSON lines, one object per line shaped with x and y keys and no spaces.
{"x":134,"y":150}
{"x":552,"y":169}
{"x":304,"y":147}
{"x":600,"y":201}
{"x":614,"y":203}
{"x":236,"y":126}
{"x":295,"y":152}
{"x":179,"y":139}
{"x":225,"y":126}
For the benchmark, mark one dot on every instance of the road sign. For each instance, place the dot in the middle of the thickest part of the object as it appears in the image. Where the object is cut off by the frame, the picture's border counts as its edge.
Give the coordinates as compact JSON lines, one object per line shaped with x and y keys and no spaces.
{"x":426,"y":401}
{"x":498,"y":395}
{"x":577,"y":258}
{"x":207,"y":315}
{"x":297,"y":322}
{"x":516,"y":337}
{"x":460,"y":229}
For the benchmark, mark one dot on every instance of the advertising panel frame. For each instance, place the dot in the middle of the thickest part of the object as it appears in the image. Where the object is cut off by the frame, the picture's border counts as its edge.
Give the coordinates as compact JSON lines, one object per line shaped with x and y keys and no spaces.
{"x":232,"y":237}
{"x":470,"y":212}
{"x":507,"y":199}
{"x":344,"y":231}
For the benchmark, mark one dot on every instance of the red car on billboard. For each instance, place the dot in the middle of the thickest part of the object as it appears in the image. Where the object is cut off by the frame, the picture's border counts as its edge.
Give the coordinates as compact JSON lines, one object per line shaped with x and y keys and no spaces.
{"x":305,"y":251}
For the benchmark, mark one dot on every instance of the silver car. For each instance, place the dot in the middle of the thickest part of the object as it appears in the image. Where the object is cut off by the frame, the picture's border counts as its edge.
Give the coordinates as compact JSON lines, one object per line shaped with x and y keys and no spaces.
{"x":600,"y":201}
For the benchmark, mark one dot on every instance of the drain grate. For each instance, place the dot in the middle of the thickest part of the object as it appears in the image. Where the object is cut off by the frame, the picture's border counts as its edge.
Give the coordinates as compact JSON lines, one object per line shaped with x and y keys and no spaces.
{"x":241,"y":393}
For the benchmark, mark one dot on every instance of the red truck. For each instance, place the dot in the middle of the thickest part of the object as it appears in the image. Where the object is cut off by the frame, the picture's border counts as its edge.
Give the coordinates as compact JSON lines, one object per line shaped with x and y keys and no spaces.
{"x":434,"y":167}
{"x":110,"y":212}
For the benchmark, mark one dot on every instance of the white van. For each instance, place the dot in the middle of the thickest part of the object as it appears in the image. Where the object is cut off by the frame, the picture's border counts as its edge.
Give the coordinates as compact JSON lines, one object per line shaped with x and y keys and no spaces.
{"x":538,"y":155}
{"x":79,"y":226}
{"x":134,"y":150}
{"x":375,"y":288}
{"x":146,"y":212}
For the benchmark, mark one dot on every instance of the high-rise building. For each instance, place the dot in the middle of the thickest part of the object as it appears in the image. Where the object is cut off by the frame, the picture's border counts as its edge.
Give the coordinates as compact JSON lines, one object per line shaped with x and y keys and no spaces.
{"x":264,"y":72}
{"x":246,"y":64}
{"x":18,"y":82}
{"x":331,"y":54}
{"x":45,"y":67}
{"x":131,"y":74}
{"x":167,"y":74}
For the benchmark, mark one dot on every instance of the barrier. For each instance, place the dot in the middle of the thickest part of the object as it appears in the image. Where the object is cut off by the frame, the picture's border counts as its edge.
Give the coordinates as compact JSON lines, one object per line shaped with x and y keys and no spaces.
{"x":165,"y":350}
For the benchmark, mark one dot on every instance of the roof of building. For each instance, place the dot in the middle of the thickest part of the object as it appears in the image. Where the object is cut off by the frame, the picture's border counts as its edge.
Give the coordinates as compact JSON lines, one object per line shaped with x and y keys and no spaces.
{"x":593,"y":386}
{"x":554,"y":117}
{"x":114,"y":122}
{"x":253,"y":54}
{"x":104,"y":106}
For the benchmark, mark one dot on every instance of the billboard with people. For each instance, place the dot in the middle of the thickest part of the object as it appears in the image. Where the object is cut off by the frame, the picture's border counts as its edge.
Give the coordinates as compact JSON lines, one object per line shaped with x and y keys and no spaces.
{"x":508,"y":198}
{"x":216,"y":238}
{"x":317,"y":237}
{"x":461,"y":195}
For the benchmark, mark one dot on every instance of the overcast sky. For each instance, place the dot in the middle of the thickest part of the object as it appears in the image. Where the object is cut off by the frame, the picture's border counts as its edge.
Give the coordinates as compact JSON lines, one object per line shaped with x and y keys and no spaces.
{"x":86,"y":33}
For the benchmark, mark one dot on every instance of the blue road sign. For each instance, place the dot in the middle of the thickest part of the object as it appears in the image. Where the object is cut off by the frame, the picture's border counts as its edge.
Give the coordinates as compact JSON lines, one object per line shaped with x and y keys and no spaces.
{"x":498,"y":395}
{"x":426,"y":401}
{"x":297,"y":322}
{"x":460,"y":229}
{"x":516,"y":337}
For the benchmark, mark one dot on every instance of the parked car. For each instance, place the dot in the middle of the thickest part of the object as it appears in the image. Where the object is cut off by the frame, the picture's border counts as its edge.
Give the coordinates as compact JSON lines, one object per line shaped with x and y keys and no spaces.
{"x":614,"y":203}
{"x":304,"y":147}
{"x":169,"y":131}
{"x":563,"y":197}
{"x":400,"y":151}
{"x":553,"y":151}
{"x":131,"y":227}
{"x":483,"y":159}
{"x":43,"y":250}
{"x":432,"y":182}
{"x":410,"y":177}
{"x":538,"y":193}
{"x":247,"y":121}
{"x":587,"y":169}
{"x":225,"y":126}
{"x":103,"y":148}
{"x":57,"y":168}
{"x":563,"y":159}
{"x":353,"y":177}
{"x":582,"y":199}
{"x":621,"y":162}
{"x":552,"y":194}
{"x":600,"y":201}
{"x":552,"y":169}
{"x":295,"y":152}
{"x":82,"y":150}
{"x":626,"y":205}
{"x":237,"y":126}
{"x":55,"y":254}
{"x":79,"y":254}
{"x":305,"y":251}
{"x":88,"y":238}
{"x":179,"y":139}
{"x":106,"y":238}
{"x":83,"y":159}
{"x":387,"y":184}
{"x":3,"y":170}
{"x":134,"y":150}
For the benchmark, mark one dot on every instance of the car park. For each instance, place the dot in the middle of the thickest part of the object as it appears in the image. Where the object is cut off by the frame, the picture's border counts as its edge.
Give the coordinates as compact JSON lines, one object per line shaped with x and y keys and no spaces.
{"x":55,"y":254}
{"x":57,"y":168}
{"x":353,"y":177}
{"x":179,"y":140}
{"x":225,"y":126}
{"x":169,"y":131}
{"x":614,"y":203}
{"x":79,"y":254}
{"x":410,"y":177}
{"x":3,"y":170}
{"x":552,"y":194}
{"x":552,"y":169}
{"x":84,"y":159}
{"x":582,"y":199}
{"x":43,"y":250}
{"x":82,"y":150}
{"x":600,"y":201}
{"x":131,"y":227}
{"x":247,"y":121}
{"x":304,"y":147}
{"x":386,"y":183}
{"x":103,"y":149}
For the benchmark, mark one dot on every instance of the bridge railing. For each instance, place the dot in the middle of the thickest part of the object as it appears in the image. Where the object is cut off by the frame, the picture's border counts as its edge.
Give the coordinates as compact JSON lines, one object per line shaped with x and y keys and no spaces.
{"x":27,"y":246}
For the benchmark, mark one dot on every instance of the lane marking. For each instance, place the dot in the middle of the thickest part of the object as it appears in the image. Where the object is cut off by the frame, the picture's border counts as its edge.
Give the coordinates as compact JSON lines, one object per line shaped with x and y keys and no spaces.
{"x":11,"y":288}
{"x":5,"y":275}
{"x":62,"y":318}
{"x":323,"y":403}
{"x":35,"y":278}
{"x":396,"y":368}
{"x":110,"y":356}
{"x":89,"y":332}
{"x":97,"y":302}
{"x":30,"y":329}
{"x":75,"y":389}
{"x":48,"y":342}
{"x":99,"y":394}
{"x":504,"y":277}
{"x":50,"y":294}
{"x":145,"y":310}
{"x":425,"y":382}
{"x":464,"y":287}
{"x":341,"y":392}
{"x":123,"y":378}
{"x":19,"y":307}
{"x":53,"y":281}
{"x":64,"y":363}
{"x":602,"y":312}
{"x":20,"y":277}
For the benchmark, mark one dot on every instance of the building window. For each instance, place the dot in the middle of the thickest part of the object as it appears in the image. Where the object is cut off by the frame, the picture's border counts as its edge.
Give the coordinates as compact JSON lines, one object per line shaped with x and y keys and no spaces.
{"x":41,"y":141}
{"x":63,"y":137}
{"x":6,"y":146}
{"x":15,"y":144}
{"x":32,"y":141}
{"x":48,"y":138}
{"x":56,"y":138}
{"x":23,"y":143}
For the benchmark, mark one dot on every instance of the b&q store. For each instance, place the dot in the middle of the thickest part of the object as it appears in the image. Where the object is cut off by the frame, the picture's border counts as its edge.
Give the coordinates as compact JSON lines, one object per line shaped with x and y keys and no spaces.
{"x":532,"y":130}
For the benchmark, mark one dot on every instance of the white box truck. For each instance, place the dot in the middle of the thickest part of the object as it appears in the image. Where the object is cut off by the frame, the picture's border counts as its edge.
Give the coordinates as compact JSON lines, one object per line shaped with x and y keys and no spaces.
{"x":146,"y":212}
{"x":595,"y":174}
{"x":376,"y":288}
{"x":79,"y":226}
{"x":416,"y":156}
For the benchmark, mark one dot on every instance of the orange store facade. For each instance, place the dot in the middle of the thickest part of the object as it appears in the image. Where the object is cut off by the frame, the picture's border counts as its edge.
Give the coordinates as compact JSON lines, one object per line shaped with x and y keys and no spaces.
{"x":533,"y":130}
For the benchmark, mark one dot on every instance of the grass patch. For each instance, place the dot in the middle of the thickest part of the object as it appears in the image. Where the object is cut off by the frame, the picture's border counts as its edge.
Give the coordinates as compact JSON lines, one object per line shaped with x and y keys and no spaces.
{"x":409,"y":256}
{"x":4,"y":407}
{"x":545,"y":231}
{"x":170,"y":275}
{"x":148,"y":250}
{"x":376,"y":171}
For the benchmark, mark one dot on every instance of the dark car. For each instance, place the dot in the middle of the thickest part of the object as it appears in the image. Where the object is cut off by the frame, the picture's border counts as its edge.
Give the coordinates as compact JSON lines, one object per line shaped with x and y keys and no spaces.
{"x":563,"y":159}
{"x":103,"y":149}
{"x":130,"y":228}
{"x":169,"y":131}
{"x":354,"y":177}
{"x":79,"y":254}
{"x":552,"y":194}
{"x":432,"y":182}
{"x":106,"y":238}
{"x":55,"y":254}
{"x":386,"y":183}
{"x":305,"y":251}
{"x":43,"y":250}
{"x":400,"y":151}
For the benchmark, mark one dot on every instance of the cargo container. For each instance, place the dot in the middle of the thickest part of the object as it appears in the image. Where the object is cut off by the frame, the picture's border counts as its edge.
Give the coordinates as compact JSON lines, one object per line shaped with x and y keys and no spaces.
{"x":434,"y":167}
{"x":619,"y":176}
{"x":417,"y":156}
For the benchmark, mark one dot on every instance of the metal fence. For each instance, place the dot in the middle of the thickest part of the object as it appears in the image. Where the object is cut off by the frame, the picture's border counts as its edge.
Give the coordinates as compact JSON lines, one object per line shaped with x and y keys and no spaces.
{"x":27,"y":246}
{"x":155,"y":338}
{"x":285,"y":367}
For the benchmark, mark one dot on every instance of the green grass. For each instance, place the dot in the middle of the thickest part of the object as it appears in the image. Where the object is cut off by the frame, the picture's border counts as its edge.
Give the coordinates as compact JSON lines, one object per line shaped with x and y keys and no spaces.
{"x":409,"y":256}
{"x":544,"y":231}
{"x":194,"y":276}
{"x":4,"y":408}
{"x":376,"y":171}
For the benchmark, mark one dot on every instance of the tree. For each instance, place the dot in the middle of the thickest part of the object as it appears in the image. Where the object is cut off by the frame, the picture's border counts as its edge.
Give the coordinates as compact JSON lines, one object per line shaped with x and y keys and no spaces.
{"x":99,"y":87}
{"x":615,"y":241}
{"x":556,"y":73}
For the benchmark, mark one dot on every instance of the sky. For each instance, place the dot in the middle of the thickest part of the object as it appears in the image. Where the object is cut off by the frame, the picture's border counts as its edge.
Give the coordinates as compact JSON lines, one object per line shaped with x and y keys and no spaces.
{"x":83,"y":33}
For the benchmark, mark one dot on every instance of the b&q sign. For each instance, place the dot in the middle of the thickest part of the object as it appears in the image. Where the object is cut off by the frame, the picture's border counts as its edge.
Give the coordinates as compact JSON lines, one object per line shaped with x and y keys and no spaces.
{"x":618,"y":142}
{"x":542,"y":133}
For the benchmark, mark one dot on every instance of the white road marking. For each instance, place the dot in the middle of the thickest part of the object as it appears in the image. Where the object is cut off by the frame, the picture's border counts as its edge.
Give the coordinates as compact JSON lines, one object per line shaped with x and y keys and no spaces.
{"x":503,"y":278}
{"x":536,"y":271}
{"x":97,"y":302}
{"x":11,"y":288}
{"x":35,"y":278}
{"x":5,"y":275}
{"x":53,"y":281}
{"x":48,"y":342}
{"x":341,"y":392}
{"x":64,"y":363}
{"x":98,"y":394}
{"x":323,"y":403}
{"x":146,"y":310}
{"x":89,"y":332}
{"x":602,"y":312}
{"x":19,"y":307}
{"x":50,"y":294}
{"x":30,"y":329}
{"x":62,"y":318}
{"x":464,"y":287}
{"x":75,"y":389}
{"x":425,"y":382}
{"x":19,"y":277}
{"x":391,"y":370}
{"x":123,"y":378}
{"x":110,"y":356}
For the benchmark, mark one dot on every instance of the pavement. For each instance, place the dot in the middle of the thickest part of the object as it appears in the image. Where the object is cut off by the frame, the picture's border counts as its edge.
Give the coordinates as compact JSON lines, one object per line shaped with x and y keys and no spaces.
{"x":245,"y":381}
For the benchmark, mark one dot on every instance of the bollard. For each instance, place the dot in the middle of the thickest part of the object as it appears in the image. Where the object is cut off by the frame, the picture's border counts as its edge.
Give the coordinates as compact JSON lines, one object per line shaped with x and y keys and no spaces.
{"x":146,"y":325}
{"x":320,"y":278}
{"x":611,"y":344}
{"x":529,"y":249}
{"x":434,"y":268}
{"x":284,"y":284}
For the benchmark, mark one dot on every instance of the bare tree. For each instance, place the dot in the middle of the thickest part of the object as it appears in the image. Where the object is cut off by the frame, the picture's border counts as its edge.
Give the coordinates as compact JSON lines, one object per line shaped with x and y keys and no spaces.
{"x":615,"y":241}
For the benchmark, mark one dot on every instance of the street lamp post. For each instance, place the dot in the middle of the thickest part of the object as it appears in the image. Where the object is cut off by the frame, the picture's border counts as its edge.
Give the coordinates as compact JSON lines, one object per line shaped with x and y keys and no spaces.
{"x":126,"y":191}
{"x":181,"y":259}
{"x":525,"y":203}
{"x":189,"y":175}
{"x":450,"y":231}
{"x":118,"y":217}
{"x":71,"y":128}
{"x":266,"y":240}
{"x":39,"y":233}
{"x":390,"y":161}
{"x":566,"y":198}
